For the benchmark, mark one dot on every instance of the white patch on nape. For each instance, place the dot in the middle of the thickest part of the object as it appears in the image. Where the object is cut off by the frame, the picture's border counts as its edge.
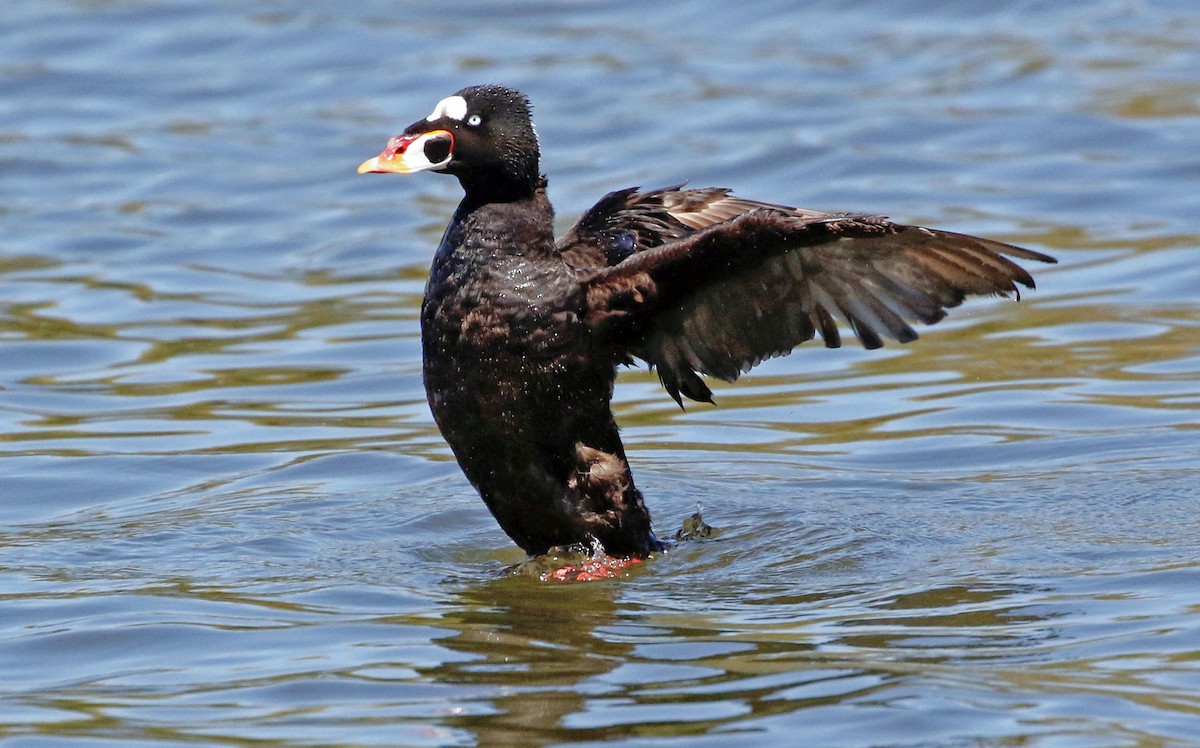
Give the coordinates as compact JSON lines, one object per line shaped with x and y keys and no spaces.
{"x":451,"y":107}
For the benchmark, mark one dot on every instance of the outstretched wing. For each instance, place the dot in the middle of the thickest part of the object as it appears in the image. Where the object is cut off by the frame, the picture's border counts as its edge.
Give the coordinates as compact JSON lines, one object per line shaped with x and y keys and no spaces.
{"x":694,"y":292}
{"x":627,"y":222}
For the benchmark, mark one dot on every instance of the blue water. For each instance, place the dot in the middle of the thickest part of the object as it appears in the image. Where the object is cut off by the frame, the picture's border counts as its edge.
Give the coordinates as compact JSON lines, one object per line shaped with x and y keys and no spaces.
{"x":226,"y":517}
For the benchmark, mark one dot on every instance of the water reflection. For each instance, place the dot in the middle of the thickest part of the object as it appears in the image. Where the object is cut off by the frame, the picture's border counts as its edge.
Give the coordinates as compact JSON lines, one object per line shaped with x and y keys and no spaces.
{"x":579,"y":663}
{"x":537,"y":645}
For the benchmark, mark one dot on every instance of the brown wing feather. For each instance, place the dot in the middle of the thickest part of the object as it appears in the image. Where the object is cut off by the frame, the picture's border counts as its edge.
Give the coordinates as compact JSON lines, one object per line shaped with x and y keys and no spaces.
{"x":626,"y":222}
{"x":744,"y":281}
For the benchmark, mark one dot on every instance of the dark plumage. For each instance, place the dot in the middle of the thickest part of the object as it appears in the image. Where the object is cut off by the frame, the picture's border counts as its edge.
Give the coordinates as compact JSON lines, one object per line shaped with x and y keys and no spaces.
{"x":522,"y":336}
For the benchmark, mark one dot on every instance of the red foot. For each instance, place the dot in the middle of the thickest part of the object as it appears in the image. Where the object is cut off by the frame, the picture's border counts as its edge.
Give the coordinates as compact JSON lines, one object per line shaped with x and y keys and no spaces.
{"x":604,"y":567}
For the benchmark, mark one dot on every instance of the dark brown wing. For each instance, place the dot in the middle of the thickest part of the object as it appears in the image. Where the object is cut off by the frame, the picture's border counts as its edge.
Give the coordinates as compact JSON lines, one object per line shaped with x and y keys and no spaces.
{"x":626,"y":222}
{"x":721,"y":299}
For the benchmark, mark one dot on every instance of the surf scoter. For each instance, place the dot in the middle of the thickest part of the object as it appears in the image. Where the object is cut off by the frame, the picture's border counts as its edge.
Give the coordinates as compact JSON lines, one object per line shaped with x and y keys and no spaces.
{"x":522,"y":334}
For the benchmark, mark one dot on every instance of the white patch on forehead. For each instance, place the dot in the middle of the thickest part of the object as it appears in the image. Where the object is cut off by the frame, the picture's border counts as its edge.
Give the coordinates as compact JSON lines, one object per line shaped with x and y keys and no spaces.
{"x":452,"y":107}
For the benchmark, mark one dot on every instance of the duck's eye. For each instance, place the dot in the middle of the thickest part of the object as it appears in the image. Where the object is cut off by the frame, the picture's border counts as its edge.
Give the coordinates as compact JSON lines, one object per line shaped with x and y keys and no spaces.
{"x":474,"y":120}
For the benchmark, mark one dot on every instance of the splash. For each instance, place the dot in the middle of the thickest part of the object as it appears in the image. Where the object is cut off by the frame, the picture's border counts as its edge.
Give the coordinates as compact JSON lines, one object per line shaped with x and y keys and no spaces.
{"x":695,"y":528}
{"x":589,"y":562}
{"x":576,"y":563}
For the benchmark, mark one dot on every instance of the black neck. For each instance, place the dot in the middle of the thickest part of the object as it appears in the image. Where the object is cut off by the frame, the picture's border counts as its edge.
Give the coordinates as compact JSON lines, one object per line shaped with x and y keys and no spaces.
{"x":496,"y":189}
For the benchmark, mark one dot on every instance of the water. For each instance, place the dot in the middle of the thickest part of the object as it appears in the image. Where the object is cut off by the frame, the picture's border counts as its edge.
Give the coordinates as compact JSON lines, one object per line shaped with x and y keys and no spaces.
{"x":227,"y":519}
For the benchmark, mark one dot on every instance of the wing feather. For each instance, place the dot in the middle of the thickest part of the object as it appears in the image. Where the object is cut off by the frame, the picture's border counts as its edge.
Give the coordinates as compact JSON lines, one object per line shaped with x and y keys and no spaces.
{"x":724,"y":283}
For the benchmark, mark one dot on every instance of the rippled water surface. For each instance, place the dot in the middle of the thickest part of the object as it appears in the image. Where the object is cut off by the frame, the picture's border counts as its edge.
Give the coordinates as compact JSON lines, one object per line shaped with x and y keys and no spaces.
{"x":226,"y":517}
